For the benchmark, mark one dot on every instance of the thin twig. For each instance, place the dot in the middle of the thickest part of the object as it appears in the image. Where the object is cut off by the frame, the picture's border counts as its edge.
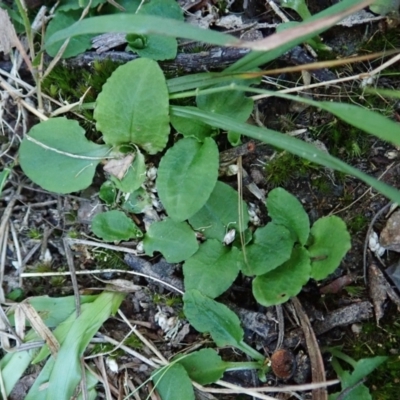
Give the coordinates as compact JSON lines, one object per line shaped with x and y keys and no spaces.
{"x":366,"y":242}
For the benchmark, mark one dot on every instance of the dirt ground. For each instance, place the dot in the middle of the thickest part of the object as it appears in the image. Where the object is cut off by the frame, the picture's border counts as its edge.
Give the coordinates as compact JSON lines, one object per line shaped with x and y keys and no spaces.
{"x":343,"y":310}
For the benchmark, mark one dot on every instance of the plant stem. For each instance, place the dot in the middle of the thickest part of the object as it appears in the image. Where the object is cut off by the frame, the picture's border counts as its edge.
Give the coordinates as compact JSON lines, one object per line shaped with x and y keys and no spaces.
{"x":250,"y":351}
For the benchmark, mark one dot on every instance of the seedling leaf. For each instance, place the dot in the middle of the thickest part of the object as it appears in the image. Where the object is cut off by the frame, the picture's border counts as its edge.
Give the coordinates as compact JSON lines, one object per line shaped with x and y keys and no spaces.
{"x":114,"y":225}
{"x":213,"y":269}
{"x":186,"y":177}
{"x":176,"y":241}
{"x":134,"y":177}
{"x":133,"y":106}
{"x":60,"y":159}
{"x":271,"y":247}
{"x":158,"y":47}
{"x":285,"y":281}
{"x":204,"y":366}
{"x":286,"y":210}
{"x":206,"y":315}
{"x":220,"y":213}
{"x":172,"y":383}
{"x":330,"y":242}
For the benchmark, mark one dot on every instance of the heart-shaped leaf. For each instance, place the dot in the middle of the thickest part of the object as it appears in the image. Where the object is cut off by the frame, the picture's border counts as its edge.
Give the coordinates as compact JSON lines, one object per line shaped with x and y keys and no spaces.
{"x":176,"y":241}
{"x":212,"y":269}
{"x":271,"y":247}
{"x":220,"y":213}
{"x":285,"y":281}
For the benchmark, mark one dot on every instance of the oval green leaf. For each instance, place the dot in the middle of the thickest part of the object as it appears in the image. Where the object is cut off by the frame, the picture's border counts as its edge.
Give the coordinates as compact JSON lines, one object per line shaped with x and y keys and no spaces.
{"x":57,"y":156}
{"x":133,"y":106}
{"x":176,"y":241}
{"x":204,"y":366}
{"x":220,"y":213}
{"x":330,"y":243}
{"x":286,"y":210}
{"x":284,"y":282}
{"x":172,"y":383}
{"x":115,"y":225}
{"x":186,"y":177}
{"x":271,"y":247}
{"x":212,"y":269}
{"x":206,"y":315}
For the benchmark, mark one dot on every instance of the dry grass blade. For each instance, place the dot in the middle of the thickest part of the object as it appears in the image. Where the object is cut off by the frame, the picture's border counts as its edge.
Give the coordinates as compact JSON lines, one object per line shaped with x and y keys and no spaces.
{"x":317,"y":364}
{"x":40,"y":328}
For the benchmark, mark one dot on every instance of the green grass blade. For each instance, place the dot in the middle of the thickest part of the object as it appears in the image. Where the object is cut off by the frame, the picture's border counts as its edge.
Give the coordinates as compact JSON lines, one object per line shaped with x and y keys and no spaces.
{"x":144,"y":25}
{"x":291,"y":144}
{"x":255,"y":59}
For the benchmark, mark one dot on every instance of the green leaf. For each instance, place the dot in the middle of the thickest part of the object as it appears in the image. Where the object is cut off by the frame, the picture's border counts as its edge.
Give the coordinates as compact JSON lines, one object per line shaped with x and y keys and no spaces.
{"x":115,"y":225}
{"x":192,"y":128}
{"x":133,"y":106}
{"x":108,"y":192}
{"x":144,"y":25}
{"x":213,"y":269}
{"x":186,"y":176}
{"x":271,"y":247}
{"x":291,"y":144}
{"x":284,"y":282}
{"x":172,"y":383}
{"x":134,"y":177}
{"x":204,"y":366}
{"x":76,"y":45}
{"x":206,"y":315}
{"x":257,"y":58}
{"x":156,"y":47}
{"x":330,"y":242}
{"x":61,"y":159}
{"x":385,"y":7}
{"x":233,"y":104}
{"x":286,"y":210}
{"x":14,"y":364}
{"x":67,"y":5}
{"x":138,"y":202}
{"x":64,"y":374}
{"x":159,"y":47}
{"x":220,"y":213}
{"x":299,"y":6}
{"x":3,"y":177}
{"x":176,"y":241}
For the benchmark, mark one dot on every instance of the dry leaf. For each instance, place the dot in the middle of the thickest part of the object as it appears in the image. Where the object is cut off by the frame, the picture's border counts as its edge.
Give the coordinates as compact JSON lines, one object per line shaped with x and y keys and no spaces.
{"x":119,"y":167}
{"x":8,"y":37}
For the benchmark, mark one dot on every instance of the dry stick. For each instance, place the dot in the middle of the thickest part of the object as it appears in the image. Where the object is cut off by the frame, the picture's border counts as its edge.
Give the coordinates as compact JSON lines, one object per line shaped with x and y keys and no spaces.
{"x":366,"y":242}
{"x":100,"y":365}
{"x":3,"y":229}
{"x":128,"y":350}
{"x":71,"y":266}
{"x":16,"y":245}
{"x":317,"y":364}
{"x":142,"y":338}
